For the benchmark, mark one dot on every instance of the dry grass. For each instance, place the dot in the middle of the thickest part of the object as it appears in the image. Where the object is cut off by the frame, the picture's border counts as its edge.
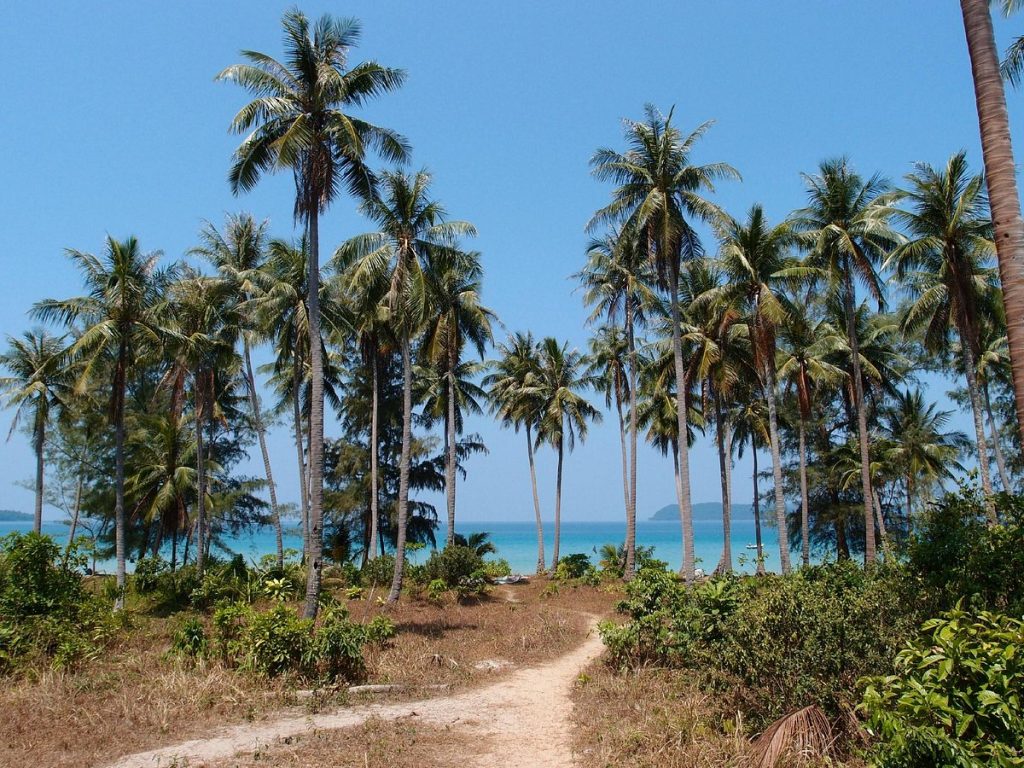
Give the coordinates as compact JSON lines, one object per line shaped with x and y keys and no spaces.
{"x":137,"y":697}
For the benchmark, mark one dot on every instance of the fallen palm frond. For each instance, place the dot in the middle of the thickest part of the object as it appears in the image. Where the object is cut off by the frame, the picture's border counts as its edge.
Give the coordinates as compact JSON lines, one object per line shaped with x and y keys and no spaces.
{"x":805,"y":733}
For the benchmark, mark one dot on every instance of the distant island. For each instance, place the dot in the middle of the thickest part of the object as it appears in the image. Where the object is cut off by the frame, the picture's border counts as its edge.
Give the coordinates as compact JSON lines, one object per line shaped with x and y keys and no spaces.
{"x":10,"y":516}
{"x":704,"y":510}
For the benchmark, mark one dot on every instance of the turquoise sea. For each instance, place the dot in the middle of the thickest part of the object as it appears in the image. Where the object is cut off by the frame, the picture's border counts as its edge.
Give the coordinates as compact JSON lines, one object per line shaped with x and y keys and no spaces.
{"x":517,"y":541}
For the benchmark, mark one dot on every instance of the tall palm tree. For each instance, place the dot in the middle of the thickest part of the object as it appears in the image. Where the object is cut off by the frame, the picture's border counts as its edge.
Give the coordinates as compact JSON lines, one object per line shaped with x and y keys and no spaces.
{"x":616,"y":282}
{"x":752,"y":255}
{"x":803,"y":365}
{"x":238,"y":253}
{"x":750,"y":424}
{"x":40,"y":382}
{"x":846,"y":228}
{"x":565,"y":413}
{"x":412,"y":230}
{"x":658,"y":195}
{"x":943,"y":267}
{"x":298,"y":121}
{"x":455,"y":317}
{"x":1000,"y":176}
{"x":513,"y":389}
{"x":118,"y":318}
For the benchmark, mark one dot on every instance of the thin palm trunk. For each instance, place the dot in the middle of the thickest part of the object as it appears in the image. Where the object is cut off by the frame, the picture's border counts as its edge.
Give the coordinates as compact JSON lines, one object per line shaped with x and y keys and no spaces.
{"x":403,"y":473}
{"x":37,"y":522}
{"x":74,"y":516}
{"x":558,"y":504}
{"x":261,"y":433}
{"x":536,"y":502}
{"x":721,"y":430}
{"x":630,"y":565}
{"x":997,"y":449}
{"x":780,"y":501}
{"x":910,"y":500}
{"x":979,"y":430}
{"x":882,"y":532}
{"x":1000,"y":176}
{"x":623,"y":450}
{"x":316,"y":420}
{"x":862,"y":418}
{"x":119,"y":549}
{"x":757,"y":514}
{"x":683,"y":478}
{"x":805,"y":530}
{"x":301,"y":452}
{"x":449,"y":436}
{"x":374,"y":454}
{"x":200,"y":481}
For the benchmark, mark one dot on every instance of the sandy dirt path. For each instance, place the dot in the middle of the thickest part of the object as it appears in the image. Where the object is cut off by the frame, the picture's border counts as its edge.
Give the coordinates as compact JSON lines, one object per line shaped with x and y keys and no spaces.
{"x":521,"y":721}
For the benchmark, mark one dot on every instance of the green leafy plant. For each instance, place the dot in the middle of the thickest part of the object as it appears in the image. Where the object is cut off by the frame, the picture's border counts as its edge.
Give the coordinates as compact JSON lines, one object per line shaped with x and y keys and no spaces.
{"x":453,"y":565}
{"x":189,"y":639}
{"x":572,"y":566}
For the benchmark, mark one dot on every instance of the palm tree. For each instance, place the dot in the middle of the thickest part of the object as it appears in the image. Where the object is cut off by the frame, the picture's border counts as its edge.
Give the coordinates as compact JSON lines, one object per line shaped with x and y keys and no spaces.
{"x":513,"y":389}
{"x":298,"y":122}
{"x":752,"y":255}
{"x":803,"y":364}
{"x":118,"y":319}
{"x":40,"y":382}
{"x":616,"y":283}
{"x":994,"y":365}
{"x":942,"y":266}
{"x":455,"y":317}
{"x":750,"y":422}
{"x":845,"y":226}
{"x":658,"y":194}
{"x":1000,"y":176}
{"x":479,"y":541}
{"x":238,"y":253}
{"x":565,"y":413}
{"x":412,"y":230}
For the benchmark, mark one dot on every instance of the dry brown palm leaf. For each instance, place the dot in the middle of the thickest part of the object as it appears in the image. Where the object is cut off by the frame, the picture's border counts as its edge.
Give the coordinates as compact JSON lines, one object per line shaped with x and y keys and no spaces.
{"x":804,"y":733}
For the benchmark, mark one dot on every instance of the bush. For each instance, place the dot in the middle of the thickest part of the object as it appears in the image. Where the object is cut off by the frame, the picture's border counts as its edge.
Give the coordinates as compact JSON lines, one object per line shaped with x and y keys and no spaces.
{"x":453,"y":565}
{"x":572,"y":566}
{"x":496,"y":569}
{"x":955,"y":699}
{"x":275,"y":641}
{"x":378,"y":572}
{"x":149,"y":574}
{"x":189,"y":639}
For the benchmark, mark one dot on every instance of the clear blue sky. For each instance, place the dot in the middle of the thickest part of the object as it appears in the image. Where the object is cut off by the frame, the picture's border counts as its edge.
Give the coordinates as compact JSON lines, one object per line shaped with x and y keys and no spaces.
{"x":111,"y":123}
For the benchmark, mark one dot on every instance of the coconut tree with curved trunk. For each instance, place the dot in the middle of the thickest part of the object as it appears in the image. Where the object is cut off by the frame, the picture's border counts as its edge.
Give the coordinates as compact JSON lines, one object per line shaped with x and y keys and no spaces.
{"x":412,"y":229}
{"x":456,"y":317}
{"x":565,"y":414}
{"x":1000,"y":177}
{"x":514,"y":394}
{"x":118,"y":320}
{"x":40,"y":382}
{"x":616,"y":282}
{"x":752,"y":254}
{"x":659,"y":194}
{"x":300,"y":121}
{"x":803,"y":364}
{"x":943,"y":268}
{"x":238,"y":254}
{"x":846,"y":228}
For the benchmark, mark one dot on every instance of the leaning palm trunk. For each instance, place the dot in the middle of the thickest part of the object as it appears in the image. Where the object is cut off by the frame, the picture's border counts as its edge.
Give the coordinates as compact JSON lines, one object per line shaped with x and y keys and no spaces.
{"x":1000,"y":176}
{"x":40,"y":438}
{"x":200,"y":480}
{"x":630,"y":565}
{"x":301,"y":452}
{"x":119,"y":551}
{"x":536,"y":503}
{"x":558,"y":505}
{"x":625,"y":453}
{"x":997,"y":449}
{"x":683,"y":476}
{"x":261,"y":433}
{"x":757,"y":515}
{"x":805,"y":529}
{"x":449,"y":470}
{"x":74,"y":516}
{"x":314,"y":560}
{"x":721,"y":436}
{"x":979,"y":431}
{"x":403,"y":473}
{"x":882,"y":532}
{"x":780,"y":502}
{"x":862,"y":421}
{"x":374,"y":453}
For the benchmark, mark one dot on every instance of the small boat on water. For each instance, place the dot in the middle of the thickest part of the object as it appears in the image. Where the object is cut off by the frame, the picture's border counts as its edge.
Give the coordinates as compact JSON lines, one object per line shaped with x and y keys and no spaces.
{"x":751,"y":546}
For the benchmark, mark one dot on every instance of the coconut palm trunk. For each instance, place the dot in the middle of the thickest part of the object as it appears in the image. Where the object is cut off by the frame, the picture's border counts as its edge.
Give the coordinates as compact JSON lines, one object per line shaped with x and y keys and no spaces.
{"x":119,"y":543}
{"x":450,"y":459}
{"x":536,"y":502}
{"x":623,"y":449}
{"x":882,"y":532}
{"x":1000,"y":176}
{"x":780,"y":501}
{"x":630,"y":565}
{"x":374,"y":458}
{"x":805,"y":530}
{"x":40,"y":439}
{"x":301,"y":453}
{"x":997,"y":449}
{"x":200,"y":477}
{"x":403,"y":472}
{"x":721,"y":433}
{"x":558,"y":504}
{"x":74,"y":516}
{"x":862,"y":417}
{"x":974,"y":393}
{"x":314,"y":560}
{"x":261,"y":434}
{"x":683,"y":475}
{"x":760,"y":570}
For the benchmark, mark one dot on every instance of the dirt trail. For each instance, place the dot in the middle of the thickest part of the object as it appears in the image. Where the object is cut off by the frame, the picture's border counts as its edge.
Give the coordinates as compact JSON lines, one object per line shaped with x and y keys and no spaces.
{"x":521,"y":721}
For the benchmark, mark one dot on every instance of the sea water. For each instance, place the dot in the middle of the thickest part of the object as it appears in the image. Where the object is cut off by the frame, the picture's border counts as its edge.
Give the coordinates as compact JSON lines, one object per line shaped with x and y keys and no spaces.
{"x":516,"y":541}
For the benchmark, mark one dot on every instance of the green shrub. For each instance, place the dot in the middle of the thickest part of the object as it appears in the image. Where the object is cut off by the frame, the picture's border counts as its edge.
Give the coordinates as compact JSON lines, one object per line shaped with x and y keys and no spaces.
{"x":453,"y":565}
{"x":337,"y":647}
{"x":436,"y":590}
{"x":572,"y":566}
{"x":276,"y":641}
{"x":378,"y":572}
{"x":228,"y":623}
{"x":379,"y":630}
{"x":189,"y":639}
{"x":955,"y":699}
{"x":149,"y":574}
{"x":496,"y":569}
